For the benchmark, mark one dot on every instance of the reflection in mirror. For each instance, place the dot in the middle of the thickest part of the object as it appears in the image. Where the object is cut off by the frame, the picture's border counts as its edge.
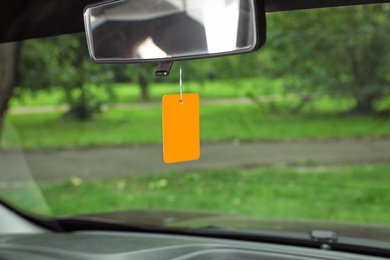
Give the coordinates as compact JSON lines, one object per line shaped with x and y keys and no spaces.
{"x":136,"y":30}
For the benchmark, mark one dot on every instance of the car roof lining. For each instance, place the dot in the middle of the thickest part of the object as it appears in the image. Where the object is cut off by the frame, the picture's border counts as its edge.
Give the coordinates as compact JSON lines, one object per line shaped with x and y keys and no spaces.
{"x":26,"y":19}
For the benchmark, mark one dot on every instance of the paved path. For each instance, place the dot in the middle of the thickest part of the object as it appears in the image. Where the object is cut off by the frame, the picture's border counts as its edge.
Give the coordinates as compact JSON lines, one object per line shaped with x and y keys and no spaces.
{"x":152,"y":104}
{"x":132,"y":160}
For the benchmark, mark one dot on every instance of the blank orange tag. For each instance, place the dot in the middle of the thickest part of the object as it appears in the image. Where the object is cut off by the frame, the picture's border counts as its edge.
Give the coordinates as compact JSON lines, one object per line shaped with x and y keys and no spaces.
{"x":181,"y":138}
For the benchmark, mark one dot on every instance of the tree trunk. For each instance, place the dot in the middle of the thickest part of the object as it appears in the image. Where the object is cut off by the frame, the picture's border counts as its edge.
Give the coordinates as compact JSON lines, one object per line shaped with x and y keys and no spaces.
{"x":9,"y":55}
{"x":364,"y":105}
{"x":143,"y":83}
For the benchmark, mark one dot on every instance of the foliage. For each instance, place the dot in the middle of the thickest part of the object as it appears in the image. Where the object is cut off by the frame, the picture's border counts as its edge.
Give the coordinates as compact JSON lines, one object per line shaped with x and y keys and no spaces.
{"x":342,"y":51}
{"x":63,"y":63}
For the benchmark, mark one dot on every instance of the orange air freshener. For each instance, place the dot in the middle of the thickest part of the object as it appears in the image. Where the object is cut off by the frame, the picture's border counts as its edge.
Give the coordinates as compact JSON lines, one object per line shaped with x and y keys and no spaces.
{"x":181,"y":137}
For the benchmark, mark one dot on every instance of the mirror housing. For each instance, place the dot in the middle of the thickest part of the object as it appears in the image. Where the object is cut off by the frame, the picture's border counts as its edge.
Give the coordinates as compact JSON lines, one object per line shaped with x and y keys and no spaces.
{"x":135,"y":31}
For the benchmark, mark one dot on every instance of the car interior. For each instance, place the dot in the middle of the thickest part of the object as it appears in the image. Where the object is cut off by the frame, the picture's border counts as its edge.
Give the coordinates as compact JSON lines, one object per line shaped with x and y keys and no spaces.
{"x":120,"y":32}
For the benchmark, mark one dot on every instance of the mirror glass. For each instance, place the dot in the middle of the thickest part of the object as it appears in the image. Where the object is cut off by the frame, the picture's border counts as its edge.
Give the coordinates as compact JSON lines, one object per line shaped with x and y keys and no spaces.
{"x":154,"y":30}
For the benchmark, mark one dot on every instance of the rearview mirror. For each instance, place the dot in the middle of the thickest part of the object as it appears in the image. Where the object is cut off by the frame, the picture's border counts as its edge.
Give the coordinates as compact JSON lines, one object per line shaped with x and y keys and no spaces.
{"x":132,"y":31}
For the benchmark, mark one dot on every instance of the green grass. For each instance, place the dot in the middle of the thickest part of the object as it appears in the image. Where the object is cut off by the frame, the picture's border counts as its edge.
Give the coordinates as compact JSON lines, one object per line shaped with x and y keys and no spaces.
{"x":340,"y":193}
{"x":218,"y":123}
{"x":130,"y":93}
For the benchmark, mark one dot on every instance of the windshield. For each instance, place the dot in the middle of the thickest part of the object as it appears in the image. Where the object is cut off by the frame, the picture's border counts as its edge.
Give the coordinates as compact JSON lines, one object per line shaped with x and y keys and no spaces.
{"x":298,"y":131}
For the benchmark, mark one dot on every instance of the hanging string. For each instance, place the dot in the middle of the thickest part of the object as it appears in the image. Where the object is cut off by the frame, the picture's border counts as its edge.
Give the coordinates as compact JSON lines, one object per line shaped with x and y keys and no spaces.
{"x":181,"y":86}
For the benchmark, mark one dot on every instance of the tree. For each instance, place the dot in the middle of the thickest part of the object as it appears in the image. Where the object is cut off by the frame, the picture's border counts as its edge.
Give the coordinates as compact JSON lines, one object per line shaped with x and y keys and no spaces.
{"x":342,"y":51}
{"x":9,"y":55}
{"x":63,"y":62}
{"x":143,"y":75}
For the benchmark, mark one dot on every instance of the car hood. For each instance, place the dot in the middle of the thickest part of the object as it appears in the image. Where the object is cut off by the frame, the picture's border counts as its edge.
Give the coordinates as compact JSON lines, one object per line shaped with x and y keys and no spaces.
{"x":196,"y":219}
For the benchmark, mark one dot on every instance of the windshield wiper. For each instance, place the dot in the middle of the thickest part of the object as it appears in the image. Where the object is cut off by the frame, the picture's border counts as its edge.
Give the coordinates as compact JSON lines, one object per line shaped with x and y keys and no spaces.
{"x":81,"y":223}
{"x":325,"y":240}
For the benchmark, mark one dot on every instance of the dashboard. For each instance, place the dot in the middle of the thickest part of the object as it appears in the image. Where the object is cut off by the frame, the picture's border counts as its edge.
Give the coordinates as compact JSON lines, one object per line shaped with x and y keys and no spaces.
{"x":139,"y":246}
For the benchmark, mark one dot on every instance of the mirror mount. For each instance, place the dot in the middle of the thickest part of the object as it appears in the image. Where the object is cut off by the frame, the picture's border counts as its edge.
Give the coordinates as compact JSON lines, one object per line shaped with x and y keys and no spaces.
{"x":163,"y":69}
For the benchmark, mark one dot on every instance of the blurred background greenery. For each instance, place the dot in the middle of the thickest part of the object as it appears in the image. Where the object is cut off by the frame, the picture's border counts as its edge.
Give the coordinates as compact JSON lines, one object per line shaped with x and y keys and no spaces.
{"x":322,"y":74}
{"x":339,"y":52}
